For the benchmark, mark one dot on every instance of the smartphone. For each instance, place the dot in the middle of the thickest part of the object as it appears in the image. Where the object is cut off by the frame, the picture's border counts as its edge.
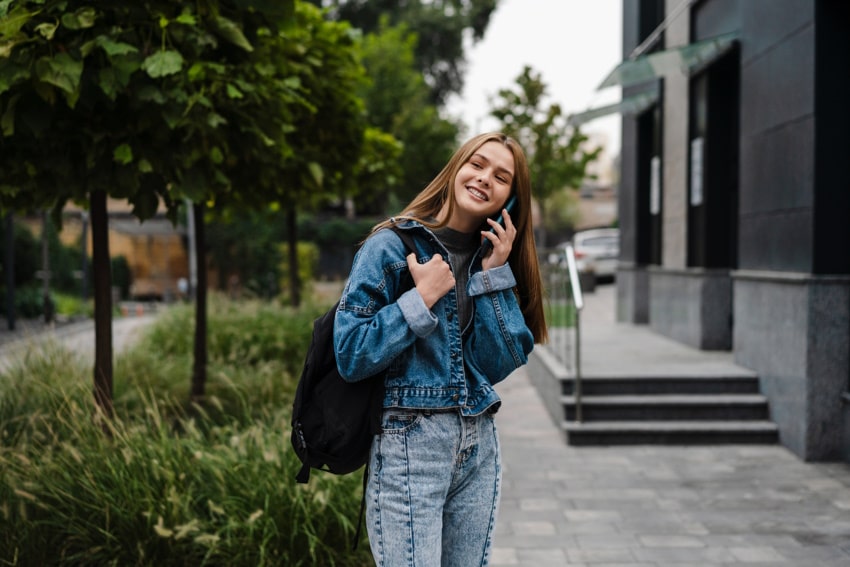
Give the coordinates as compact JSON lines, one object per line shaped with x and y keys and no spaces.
{"x":510,"y":206}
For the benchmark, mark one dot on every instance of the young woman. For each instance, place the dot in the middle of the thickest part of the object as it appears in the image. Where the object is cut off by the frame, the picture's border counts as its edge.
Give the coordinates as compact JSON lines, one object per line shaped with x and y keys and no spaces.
{"x":471,"y":318}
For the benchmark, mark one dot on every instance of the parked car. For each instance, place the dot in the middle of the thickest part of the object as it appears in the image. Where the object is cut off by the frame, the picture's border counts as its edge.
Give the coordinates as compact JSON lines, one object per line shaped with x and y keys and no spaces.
{"x":597,"y":251}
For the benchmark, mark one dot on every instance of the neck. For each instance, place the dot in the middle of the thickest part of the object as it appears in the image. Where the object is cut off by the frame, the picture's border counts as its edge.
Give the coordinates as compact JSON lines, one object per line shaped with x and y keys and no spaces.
{"x":460,"y":223}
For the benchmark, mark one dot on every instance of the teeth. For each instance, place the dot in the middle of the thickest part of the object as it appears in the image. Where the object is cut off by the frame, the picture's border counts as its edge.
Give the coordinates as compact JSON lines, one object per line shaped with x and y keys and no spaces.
{"x":477,"y":193}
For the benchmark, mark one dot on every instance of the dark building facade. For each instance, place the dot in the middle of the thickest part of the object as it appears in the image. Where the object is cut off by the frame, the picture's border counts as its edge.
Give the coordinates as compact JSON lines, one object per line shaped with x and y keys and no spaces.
{"x":734,"y":202}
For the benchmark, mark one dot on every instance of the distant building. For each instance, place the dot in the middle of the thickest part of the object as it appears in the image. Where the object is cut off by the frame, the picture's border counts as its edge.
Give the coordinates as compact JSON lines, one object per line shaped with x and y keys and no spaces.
{"x":734,"y":195}
{"x":154,"y":249}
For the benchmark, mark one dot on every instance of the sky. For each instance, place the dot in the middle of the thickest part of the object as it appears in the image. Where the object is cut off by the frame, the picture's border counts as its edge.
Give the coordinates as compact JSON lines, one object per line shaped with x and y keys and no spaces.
{"x":573,"y":44}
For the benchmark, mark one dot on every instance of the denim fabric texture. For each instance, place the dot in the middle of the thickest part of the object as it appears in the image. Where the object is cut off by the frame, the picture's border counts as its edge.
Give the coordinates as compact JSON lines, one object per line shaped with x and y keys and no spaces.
{"x":433,"y":491}
{"x":430,"y":362}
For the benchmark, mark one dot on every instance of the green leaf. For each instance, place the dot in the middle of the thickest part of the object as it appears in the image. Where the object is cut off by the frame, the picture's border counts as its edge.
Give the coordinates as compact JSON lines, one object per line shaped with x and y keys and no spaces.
{"x":12,"y":23}
{"x":283,"y":9}
{"x":145,"y":204}
{"x":7,"y":122}
{"x":123,"y":154}
{"x":113,"y":48}
{"x":115,"y":78}
{"x":163,"y":63}
{"x":62,"y":71}
{"x":216,"y":156}
{"x":46,"y":30}
{"x":316,"y":172}
{"x":233,"y":92}
{"x":82,"y":18}
{"x":231,"y":32}
{"x":194,"y":185}
{"x":10,"y":75}
{"x":186,"y":18}
{"x":108,"y":83}
{"x":145,"y":166}
{"x":215,"y":120}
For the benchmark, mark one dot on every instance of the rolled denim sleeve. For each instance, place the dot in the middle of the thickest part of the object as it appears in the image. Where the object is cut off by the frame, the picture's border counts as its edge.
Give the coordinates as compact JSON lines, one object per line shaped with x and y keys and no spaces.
{"x":421,"y":320}
{"x":494,"y":279}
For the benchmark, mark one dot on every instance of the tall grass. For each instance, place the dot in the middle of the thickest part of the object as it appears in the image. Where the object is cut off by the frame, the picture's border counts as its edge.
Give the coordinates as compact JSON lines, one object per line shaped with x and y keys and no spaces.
{"x":167,"y":482}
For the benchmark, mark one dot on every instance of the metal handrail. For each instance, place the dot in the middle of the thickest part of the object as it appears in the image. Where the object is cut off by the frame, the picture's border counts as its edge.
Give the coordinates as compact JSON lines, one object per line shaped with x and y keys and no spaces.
{"x":578,"y":300}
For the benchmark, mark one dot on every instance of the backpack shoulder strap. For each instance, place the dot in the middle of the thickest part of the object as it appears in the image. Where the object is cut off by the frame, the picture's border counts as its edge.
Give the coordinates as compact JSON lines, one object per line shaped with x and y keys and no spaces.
{"x":408,"y":239}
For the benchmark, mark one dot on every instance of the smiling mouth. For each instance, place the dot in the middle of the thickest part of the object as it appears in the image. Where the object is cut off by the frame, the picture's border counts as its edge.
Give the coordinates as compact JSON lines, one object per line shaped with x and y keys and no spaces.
{"x":477,"y":194}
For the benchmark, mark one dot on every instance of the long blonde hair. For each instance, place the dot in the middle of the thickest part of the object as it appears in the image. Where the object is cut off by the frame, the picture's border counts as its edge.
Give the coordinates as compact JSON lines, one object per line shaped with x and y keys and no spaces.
{"x":425,"y":207}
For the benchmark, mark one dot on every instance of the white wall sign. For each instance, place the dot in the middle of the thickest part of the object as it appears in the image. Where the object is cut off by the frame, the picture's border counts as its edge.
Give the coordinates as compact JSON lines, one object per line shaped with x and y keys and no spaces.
{"x":697,"y":145}
{"x":655,"y":185}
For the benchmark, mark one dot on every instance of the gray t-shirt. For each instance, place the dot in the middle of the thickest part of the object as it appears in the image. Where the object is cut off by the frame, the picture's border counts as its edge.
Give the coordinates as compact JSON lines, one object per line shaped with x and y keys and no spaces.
{"x":462,"y":247}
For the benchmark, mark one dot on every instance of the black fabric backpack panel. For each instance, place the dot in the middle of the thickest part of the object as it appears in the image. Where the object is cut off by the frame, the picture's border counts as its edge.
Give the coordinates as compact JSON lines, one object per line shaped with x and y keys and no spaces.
{"x":334,"y":421}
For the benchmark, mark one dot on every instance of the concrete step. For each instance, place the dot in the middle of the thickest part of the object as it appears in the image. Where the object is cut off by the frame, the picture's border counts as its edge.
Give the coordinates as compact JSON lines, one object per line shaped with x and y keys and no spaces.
{"x":668,"y":407}
{"x":670,"y":432}
{"x":700,"y":384}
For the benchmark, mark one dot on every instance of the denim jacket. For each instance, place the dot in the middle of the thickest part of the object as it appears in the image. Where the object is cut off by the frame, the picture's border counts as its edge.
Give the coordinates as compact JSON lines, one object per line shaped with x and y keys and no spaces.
{"x":382,"y":324}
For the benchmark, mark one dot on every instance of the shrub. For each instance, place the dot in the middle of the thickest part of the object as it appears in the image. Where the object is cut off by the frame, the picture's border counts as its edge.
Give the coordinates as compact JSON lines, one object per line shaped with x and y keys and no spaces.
{"x":166,"y":483}
{"x":308,"y":262}
{"x":29,"y":302}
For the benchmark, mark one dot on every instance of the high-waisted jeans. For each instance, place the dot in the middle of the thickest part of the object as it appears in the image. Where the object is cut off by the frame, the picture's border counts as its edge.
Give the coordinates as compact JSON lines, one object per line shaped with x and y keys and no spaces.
{"x":433,"y":489}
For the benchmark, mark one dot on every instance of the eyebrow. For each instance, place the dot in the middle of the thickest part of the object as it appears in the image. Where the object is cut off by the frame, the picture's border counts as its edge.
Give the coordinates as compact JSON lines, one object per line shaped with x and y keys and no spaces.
{"x":502,"y":169}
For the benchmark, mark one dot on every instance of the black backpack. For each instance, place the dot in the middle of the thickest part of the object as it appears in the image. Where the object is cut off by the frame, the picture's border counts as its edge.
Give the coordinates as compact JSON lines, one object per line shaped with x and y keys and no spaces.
{"x":334,"y":421}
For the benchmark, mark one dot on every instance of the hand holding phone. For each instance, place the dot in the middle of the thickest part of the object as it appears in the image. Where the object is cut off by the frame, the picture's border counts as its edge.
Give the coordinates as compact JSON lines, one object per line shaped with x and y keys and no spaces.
{"x":509,"y":206}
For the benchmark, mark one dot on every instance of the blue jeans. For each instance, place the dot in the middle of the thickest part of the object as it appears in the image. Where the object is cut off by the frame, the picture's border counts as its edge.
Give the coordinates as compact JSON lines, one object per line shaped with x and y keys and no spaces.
{"x":433,"y":489}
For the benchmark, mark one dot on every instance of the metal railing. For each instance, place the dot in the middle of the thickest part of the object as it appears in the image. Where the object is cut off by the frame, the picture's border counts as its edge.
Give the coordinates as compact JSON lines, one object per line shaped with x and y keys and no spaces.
{"x":565,"y":302}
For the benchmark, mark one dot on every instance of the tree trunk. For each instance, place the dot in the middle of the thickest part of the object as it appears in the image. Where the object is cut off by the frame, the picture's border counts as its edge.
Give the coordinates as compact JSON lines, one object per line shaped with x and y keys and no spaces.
{"x":199,"y":368}
{"x":102,"y":303}
{"x":292,"y":241}
{"x":84,"y":239}
{"x":47,"y":302}
{"x":10,"y":271}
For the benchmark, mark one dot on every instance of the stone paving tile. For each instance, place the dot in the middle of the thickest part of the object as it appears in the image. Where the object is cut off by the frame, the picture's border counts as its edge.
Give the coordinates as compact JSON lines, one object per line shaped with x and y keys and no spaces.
{"x":596,"y":556}
{"x":543,"y":557}
{"x":660,"y":506}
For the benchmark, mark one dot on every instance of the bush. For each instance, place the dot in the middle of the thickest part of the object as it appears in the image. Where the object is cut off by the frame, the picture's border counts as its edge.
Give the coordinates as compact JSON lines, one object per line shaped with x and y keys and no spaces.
{"x":308,"y":262}
{"x":29,"y":302}
{"x":165,"y":482}
{"x":72,"y":306}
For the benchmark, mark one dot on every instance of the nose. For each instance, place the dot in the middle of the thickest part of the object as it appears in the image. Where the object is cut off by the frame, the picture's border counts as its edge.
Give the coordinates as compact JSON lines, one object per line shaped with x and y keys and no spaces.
{"x":484,"y":177}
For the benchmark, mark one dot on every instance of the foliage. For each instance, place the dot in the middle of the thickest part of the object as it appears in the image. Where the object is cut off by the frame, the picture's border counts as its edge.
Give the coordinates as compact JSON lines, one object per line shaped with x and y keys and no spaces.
{"x":334,"y":232}
{"x":245,"y":243}
{"x":29,"y":301}
{"x":239,"y":102}
{"x":556,"y":153}
{"x":122,"y":276}
{"x":72,"y":306}
{"x":65,"y":263}
{"x":308,"y":264}
{"x":397,"y":102}
{"x":27,"y":255}
{"x":561,"y":213}
{"x":338,"y":240}
{"x":170,"y":485}
{"x":441,"y":26}
{"x":378,"y":171}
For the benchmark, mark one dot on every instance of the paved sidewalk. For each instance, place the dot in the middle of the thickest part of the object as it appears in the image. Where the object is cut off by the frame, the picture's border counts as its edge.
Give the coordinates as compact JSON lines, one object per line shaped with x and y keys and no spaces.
{"x":657,"y":505}
{"x":77,"y":337}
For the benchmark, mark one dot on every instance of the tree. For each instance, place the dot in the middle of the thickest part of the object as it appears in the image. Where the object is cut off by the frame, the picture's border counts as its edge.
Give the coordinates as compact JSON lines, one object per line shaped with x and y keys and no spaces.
{"x":159,"y":101}
{"x":557,"y":153}
{"x":397,"y":102}
{"x":440,"y":25}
